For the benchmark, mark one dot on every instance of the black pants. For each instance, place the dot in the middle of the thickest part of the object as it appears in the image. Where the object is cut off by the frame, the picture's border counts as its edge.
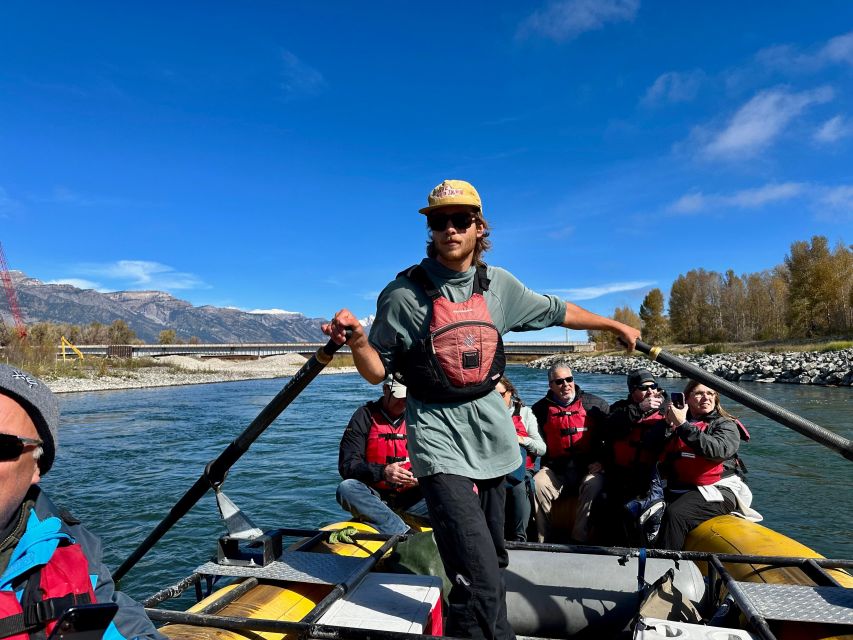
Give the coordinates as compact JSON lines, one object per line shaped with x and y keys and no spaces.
{"x":468,"y":529}
{"x":687,"y":511}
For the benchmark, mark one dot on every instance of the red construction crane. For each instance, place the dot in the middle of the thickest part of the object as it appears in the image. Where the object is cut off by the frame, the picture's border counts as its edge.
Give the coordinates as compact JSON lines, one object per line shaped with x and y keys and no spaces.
{"x":11,"y":296}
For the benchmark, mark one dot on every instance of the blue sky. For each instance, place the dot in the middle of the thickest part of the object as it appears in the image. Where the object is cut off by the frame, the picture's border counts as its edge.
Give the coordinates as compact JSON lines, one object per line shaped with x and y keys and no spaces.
{"x":273,"y":155}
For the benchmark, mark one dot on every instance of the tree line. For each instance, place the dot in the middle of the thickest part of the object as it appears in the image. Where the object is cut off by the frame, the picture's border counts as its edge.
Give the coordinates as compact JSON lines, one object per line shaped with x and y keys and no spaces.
{"x":809,"y":295}
{"x":118,"y":332}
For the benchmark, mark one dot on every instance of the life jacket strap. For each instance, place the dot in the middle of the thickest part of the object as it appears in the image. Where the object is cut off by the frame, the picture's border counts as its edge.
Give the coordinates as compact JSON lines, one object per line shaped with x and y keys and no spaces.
{"x":419,"y":276}
{"x":40,"y":613}
{"x":392,"y":436}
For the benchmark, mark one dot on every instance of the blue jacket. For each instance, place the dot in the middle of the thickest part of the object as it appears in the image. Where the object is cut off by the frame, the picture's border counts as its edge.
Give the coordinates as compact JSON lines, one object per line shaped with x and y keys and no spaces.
{"x":45,"y":530}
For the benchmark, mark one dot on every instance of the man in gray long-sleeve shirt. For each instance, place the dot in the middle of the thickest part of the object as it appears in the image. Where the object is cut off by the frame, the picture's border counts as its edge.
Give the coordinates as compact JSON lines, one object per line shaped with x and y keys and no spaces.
{"x":438,"y":326}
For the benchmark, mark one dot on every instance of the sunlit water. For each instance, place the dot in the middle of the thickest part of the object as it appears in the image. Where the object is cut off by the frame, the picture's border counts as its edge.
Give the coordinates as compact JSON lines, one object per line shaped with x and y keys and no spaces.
{"x":126,"y":457}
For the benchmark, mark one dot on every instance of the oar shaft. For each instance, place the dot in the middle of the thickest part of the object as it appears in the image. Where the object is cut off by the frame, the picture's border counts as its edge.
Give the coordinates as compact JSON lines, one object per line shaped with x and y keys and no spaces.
{"x":773,"y":411}
{"x":215,"y":470}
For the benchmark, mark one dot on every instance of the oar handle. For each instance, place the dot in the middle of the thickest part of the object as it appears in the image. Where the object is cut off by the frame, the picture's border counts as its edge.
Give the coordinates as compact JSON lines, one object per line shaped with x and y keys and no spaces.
{"x":215,"y":470}
{"x":773,"y":411}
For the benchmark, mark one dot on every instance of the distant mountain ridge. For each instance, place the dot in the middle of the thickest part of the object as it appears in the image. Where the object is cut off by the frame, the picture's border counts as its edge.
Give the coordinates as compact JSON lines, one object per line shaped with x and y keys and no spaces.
{"x":150,"y":312}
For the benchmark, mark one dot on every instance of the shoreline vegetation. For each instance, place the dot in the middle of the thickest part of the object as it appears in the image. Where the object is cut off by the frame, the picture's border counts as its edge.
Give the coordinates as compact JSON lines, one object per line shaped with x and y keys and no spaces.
{"x":828,"y":364}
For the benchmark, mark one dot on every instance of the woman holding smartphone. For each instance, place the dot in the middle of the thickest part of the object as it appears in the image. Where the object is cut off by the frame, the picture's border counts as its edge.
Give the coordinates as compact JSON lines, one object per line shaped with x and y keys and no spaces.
{"x":705,"y":477}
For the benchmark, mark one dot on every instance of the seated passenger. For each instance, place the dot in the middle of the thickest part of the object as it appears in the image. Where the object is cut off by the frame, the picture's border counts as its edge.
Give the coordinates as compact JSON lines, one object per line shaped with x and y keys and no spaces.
{"x":701,"y":466}
{"x":570,"y":421}
{"x":634,"y":436}
{"x":374,"y":462}
{"x":48,"y":561}
{"x":519,"y":491}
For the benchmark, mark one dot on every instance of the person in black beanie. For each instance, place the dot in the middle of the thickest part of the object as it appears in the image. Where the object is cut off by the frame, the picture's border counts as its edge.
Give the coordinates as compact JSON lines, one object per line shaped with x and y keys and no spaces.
{"x":634,"y":435}
{"x":48,"y":562}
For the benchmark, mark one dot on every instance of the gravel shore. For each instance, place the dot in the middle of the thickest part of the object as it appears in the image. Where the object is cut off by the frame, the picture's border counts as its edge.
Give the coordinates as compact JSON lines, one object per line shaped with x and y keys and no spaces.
{"x":830,"y":368}
{"x":181,"y":370}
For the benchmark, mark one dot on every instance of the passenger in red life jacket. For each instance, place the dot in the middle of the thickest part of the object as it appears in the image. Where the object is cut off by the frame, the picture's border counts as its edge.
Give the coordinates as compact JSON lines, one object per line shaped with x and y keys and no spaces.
{"x":634,"y":435}
{"x":373,"y":460}
{"x":48,"y":562}
{"x":519,"y":483}
{"x":701,"y":466}
{"x":570,"y":420}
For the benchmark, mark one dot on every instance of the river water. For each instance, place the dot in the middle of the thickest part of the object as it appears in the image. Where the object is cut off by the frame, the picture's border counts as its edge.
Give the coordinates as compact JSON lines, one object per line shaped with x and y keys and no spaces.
{"x":125,"y":458}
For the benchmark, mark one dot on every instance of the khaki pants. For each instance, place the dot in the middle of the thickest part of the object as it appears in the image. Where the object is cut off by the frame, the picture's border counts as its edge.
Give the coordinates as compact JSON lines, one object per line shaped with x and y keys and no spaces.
{"x":549,"y":485}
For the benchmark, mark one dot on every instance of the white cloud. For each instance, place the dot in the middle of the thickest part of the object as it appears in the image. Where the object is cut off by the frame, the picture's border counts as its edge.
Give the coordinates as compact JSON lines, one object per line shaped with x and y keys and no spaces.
{"x":144,"y":274}
{"x":743,"y":199}
{"x":589,"y":293}
{"x":833,"y":130}
{"x":839,"y":49}
{"x":567,"y":19}
{"x":76,"y":282}
{"x":689,"y":203}
{"x":788,"y":58}
{"x":300,"y":79}
{"x":758,"y":197}
{"x":839,"y":198}
{"x":673,"y":87}
{"x":761,"y":120}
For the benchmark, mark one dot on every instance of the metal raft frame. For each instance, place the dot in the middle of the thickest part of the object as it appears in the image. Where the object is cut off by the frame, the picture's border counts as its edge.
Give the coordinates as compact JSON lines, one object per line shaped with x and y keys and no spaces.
{"x":827,"y":602}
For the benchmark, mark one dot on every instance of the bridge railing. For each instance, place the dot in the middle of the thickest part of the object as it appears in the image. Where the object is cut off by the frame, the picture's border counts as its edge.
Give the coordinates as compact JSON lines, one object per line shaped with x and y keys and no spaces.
{"x":261,"y":350}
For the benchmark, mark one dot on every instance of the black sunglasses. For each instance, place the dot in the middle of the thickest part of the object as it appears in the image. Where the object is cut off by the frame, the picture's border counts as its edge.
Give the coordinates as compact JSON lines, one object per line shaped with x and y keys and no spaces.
{"x":559,"y":381}
{"x":11,"y":447}
{"x":460,"y":221}
{"x":647,"y":387}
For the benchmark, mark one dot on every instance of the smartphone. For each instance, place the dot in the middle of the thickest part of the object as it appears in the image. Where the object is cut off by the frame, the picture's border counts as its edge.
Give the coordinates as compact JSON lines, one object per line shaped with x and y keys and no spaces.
{"x":677,"y":399}
{"x":86,"y":622}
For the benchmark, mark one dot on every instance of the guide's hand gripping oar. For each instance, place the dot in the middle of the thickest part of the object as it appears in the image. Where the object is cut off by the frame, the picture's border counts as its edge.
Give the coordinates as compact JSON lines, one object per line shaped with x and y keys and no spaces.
{"x":214,"y":472}
{"x":773,"y":411}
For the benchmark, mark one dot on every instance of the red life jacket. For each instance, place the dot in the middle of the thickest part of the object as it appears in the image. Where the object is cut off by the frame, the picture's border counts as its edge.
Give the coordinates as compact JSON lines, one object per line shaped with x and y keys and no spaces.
{"x":462,"y":357}
{"x":631,"y":451}
{"x":567,"y":430}
{"x":387,"y":444}
{"x":62,"y":583}
{"x":521,"y":430}
{"x":686,"y":467}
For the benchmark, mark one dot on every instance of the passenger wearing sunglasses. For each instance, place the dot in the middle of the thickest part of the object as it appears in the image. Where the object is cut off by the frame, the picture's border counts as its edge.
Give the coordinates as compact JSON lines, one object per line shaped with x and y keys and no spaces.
{"x":48,"y":562}
{"x":571,"y":421}
{"x":439,"y":325}
{"x":634,"y":433}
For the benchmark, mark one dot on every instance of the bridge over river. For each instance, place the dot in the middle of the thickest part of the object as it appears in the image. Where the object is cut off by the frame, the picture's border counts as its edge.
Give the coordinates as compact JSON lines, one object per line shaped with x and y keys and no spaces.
{"x":272,"y":349}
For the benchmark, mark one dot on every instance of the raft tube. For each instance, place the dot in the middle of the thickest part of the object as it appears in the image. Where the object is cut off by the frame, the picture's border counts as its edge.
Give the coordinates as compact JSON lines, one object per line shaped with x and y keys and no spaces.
{"x":290,"y":601}
{"x":733,"y":535}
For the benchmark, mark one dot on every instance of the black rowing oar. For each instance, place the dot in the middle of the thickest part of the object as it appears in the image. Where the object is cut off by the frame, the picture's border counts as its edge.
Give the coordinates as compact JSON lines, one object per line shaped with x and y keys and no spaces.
{"x":773,"y":411}
{"x":214,"y":472}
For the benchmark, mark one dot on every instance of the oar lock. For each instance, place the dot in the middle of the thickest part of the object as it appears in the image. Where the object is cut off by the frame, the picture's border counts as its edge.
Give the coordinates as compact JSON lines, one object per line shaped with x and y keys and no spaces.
{"x":214,"y":482}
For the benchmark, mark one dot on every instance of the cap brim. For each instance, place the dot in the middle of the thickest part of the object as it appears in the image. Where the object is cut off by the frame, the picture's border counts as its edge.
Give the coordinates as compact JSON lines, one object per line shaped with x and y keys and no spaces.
{"x":427,"y":210}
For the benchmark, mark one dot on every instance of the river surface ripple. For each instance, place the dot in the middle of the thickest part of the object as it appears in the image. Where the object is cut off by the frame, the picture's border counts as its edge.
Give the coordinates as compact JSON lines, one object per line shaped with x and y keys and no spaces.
{"x":125,"y":458}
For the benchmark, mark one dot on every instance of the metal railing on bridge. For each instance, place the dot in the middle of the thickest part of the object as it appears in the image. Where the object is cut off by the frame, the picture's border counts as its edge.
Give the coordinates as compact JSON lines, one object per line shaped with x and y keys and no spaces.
{"x":262,"y":350}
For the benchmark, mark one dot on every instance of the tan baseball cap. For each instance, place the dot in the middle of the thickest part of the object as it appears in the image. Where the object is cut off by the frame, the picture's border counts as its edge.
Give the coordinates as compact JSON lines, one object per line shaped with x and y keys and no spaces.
{"x":452,"y":192}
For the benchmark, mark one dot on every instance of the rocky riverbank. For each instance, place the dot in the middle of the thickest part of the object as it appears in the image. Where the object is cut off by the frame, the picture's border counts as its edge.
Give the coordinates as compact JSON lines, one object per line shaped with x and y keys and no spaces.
{"x":181,"y":370}
{"x":831,"y":368}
